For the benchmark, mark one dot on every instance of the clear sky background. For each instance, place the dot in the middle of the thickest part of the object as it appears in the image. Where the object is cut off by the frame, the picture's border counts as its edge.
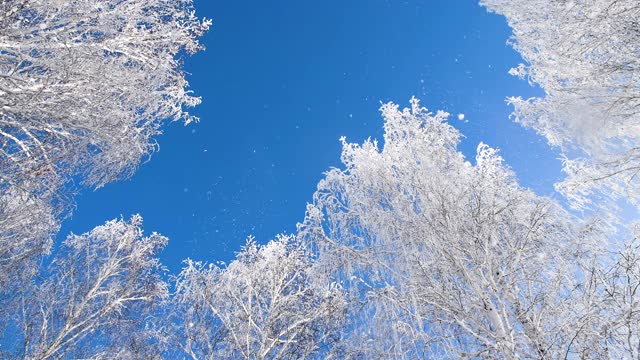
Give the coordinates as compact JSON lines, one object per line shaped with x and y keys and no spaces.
{"x":281,"y":81}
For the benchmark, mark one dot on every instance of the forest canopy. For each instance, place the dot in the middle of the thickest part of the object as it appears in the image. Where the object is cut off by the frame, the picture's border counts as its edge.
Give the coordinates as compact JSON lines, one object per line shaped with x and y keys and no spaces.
{"x":409,"y":249}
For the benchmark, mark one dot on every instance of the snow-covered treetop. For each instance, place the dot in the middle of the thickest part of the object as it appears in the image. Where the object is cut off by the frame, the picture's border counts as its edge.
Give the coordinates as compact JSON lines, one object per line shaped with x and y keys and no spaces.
{"x":84,"y":85}
{"x":585,"y":54}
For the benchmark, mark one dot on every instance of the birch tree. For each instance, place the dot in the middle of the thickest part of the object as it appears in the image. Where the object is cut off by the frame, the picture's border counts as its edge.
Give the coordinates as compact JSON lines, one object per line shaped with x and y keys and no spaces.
{"x":95,"y":298}
{"x":447,"y":259}
{"x":585,"y":55}
{"x":266,"y":304}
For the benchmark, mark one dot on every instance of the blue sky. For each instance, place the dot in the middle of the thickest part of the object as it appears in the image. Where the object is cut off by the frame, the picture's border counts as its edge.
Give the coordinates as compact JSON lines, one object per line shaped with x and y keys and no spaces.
{"x":281,"y":81}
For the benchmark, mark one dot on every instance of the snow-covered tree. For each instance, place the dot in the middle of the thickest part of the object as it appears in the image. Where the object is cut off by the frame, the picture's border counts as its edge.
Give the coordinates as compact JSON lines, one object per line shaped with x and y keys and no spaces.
{"x":26,"y":225}
{"x":620,"y":301}
{"x":94,"y":299}
{"x":585,"y":54}
{"x":84,"y":87}
{"x":266,"y":304}
{"x":447,"y":259}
